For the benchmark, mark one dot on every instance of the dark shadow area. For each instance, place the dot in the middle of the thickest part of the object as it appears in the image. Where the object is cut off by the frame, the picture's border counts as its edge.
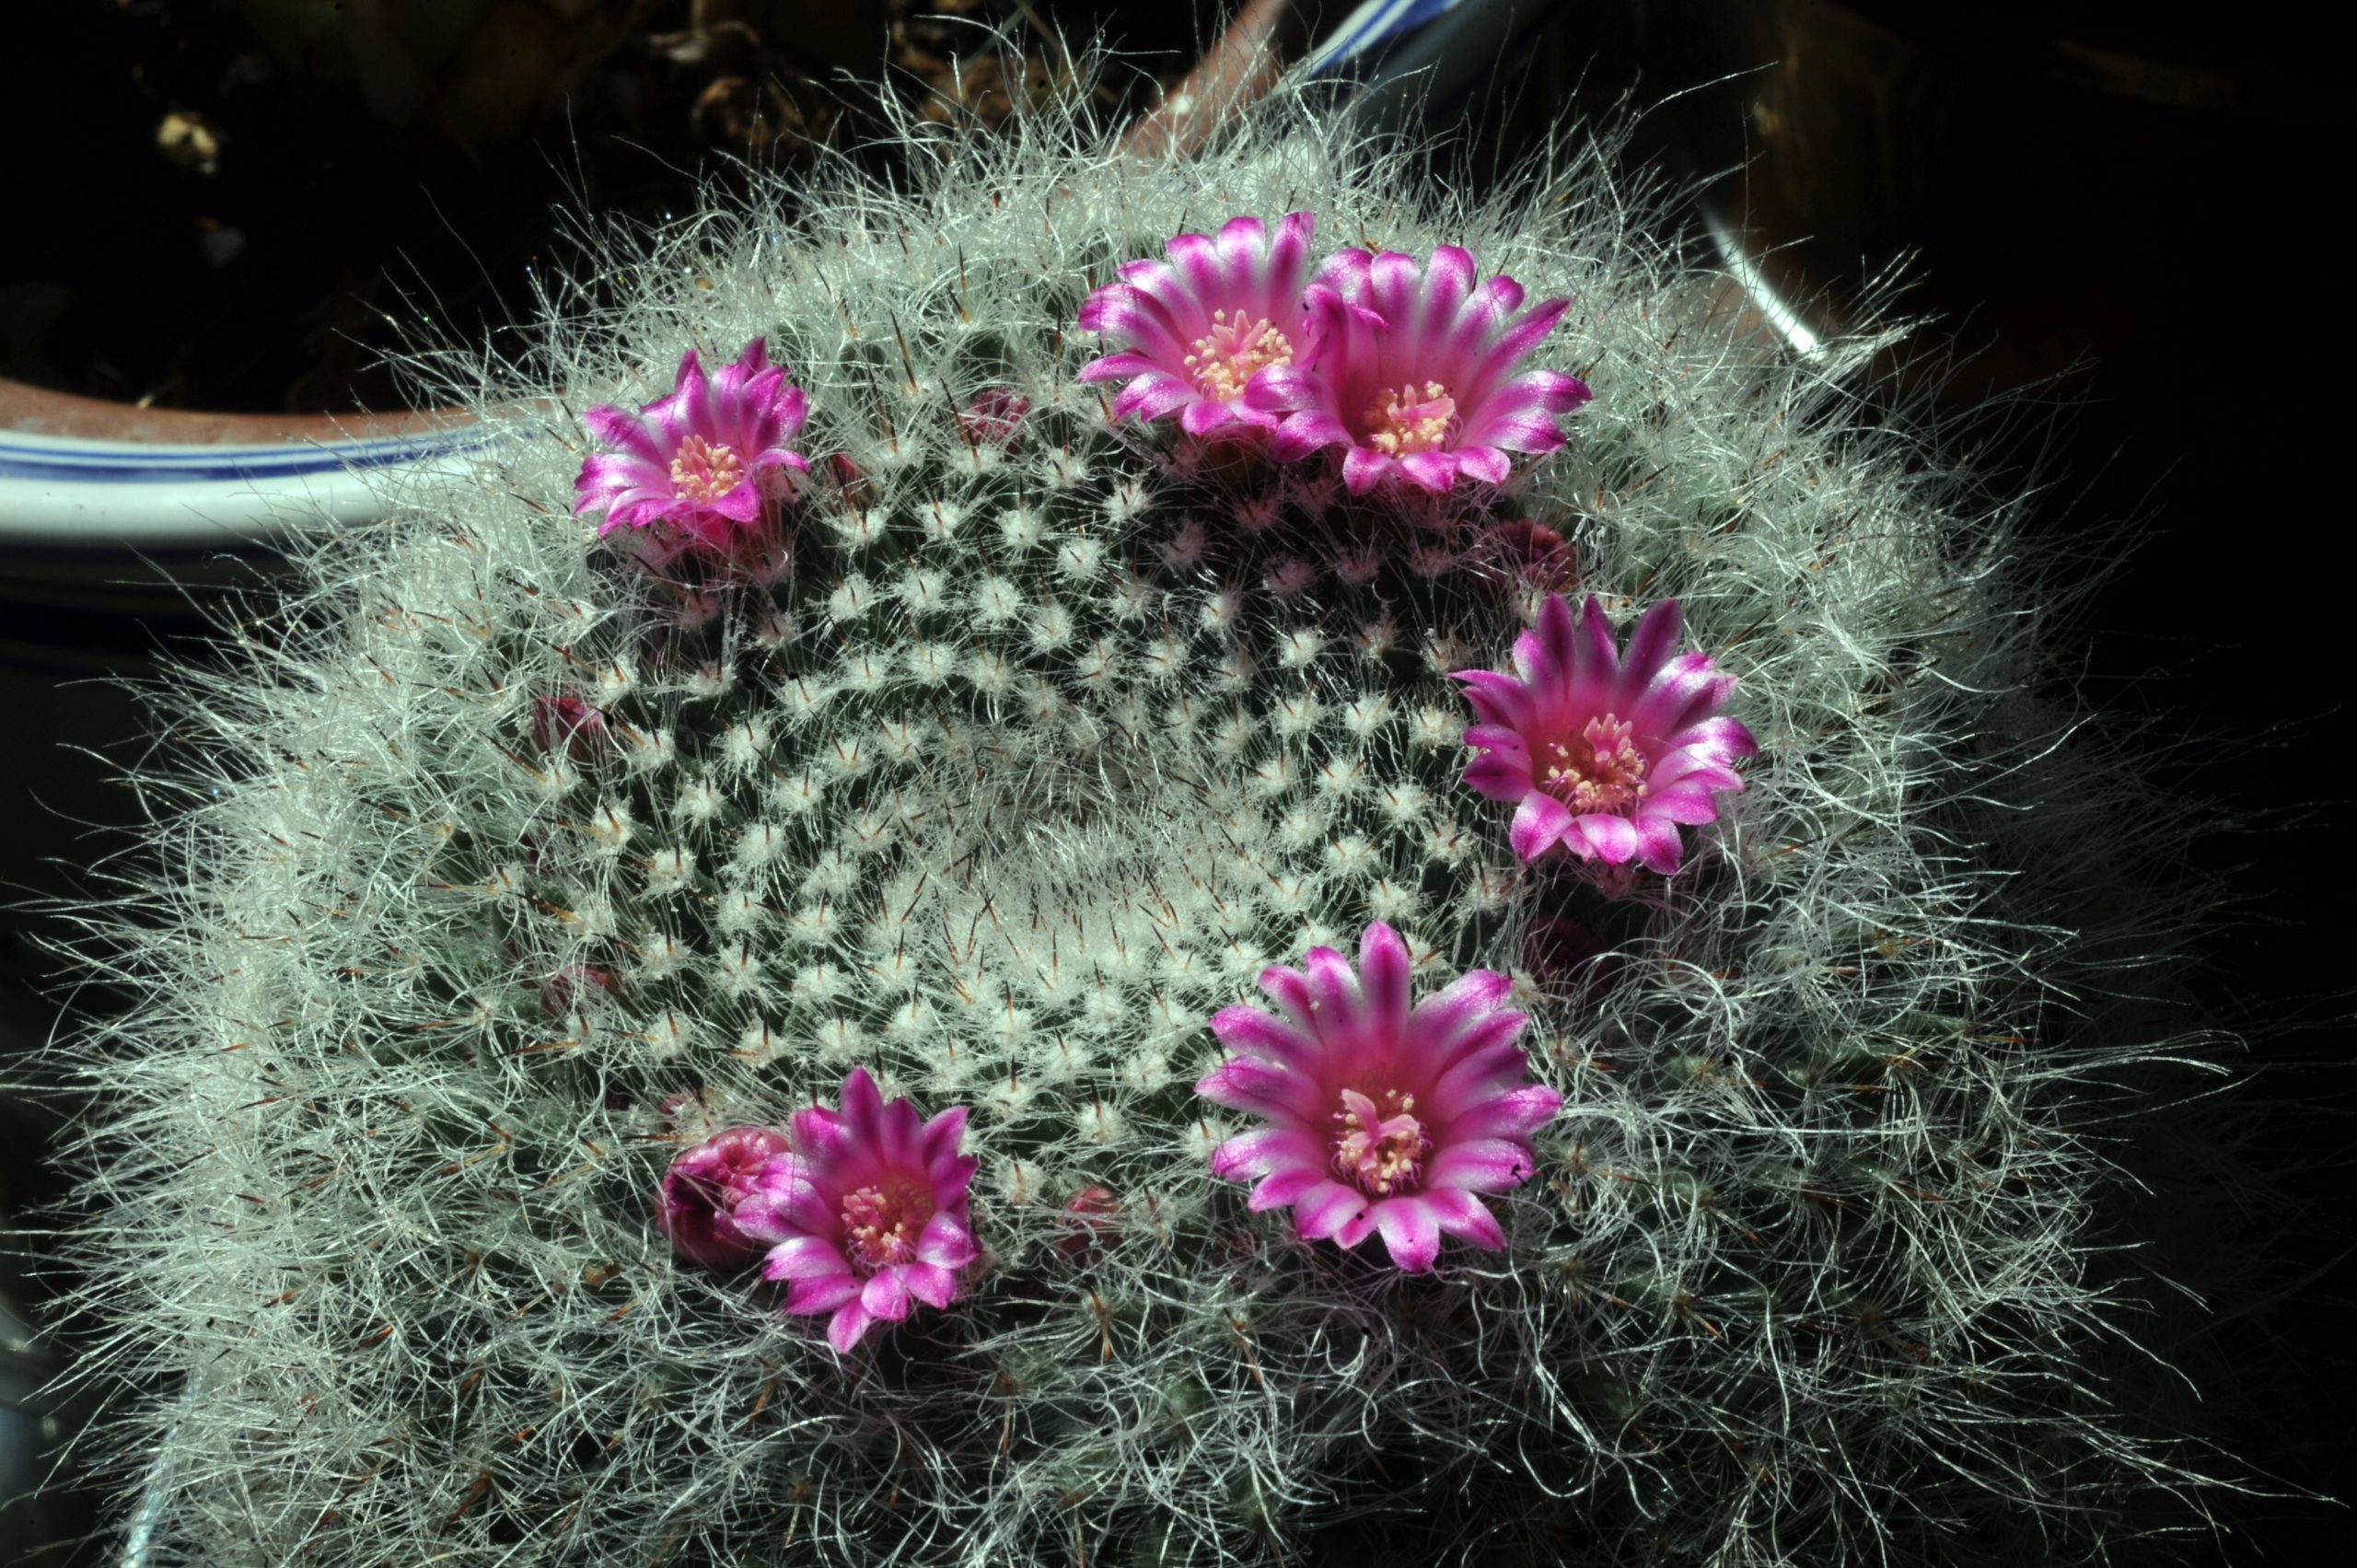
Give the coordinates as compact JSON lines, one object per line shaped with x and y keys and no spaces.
{"x":2108,"y":213}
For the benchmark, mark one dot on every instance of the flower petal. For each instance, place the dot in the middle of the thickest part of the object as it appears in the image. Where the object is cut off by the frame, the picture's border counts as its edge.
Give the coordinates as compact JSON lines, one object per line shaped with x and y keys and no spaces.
{"x":1650,"y":647}
{"x":1206,"y":417}
{"x":1434,"y":470}
{"x":619,"y":427}
{"x":1197,"y":261}
{"x":1485,"y":463}
{"x":862,"y":1109}
{"x":1364,"y":468}
{"x":1500,"y":776}
{"x":1266,"y":1151}
{"x":1549,"y":653}
{"x":805,"y":1258}
{"x":1410,"y":1232}
{"x":1334,"y":991}
{"x":1282,"y":1188}
{"x":1311,"y":429}
{"x":933,"y":1285}
{"x":1658,"y":848}
{"x":1682,"y":693}
{"x":885,"y":1296}
{"x":946,"y":1242}
{"x":1516,"y":341}
{"x":941,"y":1134}
{"x":1255,"y":1032}
{"x":740,"y":503}
{"x":1153,"y":395}
{"x":1249,"y":1083}
{"x":1448,"y":281}
{"x":952,"y":1177}
{"x":1514,"y":1114}
{"x":1539,"y":823}
{"x":1394,"y":291}
{"x":821,"y":1295}
{"x":848,"y":1327}
{"x":1383,"y":980}
{"x":1289,"y":257}
{"x":1498,"y":699}
{"x":1325,"y":1208}
{"x":1482,"y":1164}
{"x":1688,"y":803}
{"x":1614,"y":839}
{"x":1595,"y":661}
{"x":1442,"y":1019}
{"x":1113,"y":367}
{"x":1289,"y":989}
{"x":1241,"y":243}
{"x":1464,"y":1216}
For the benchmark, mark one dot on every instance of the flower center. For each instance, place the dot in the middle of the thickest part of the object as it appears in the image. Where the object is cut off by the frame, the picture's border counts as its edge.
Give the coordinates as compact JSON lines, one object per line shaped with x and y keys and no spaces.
{"x":1225,"y":357}
{"x":1600,"y":769}
{"x":705,"y":470}
{"x":881,"y":1224}
{"x":1383,"y":1154}
{"x":1403,"y":420}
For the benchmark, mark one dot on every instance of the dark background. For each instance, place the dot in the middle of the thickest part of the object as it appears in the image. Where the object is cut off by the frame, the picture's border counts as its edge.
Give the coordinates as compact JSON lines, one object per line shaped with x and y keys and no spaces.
{"x":2113,"y":211}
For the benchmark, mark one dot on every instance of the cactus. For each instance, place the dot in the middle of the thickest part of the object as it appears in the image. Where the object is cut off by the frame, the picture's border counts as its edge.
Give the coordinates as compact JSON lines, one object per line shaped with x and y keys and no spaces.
{"x":510,"y":861}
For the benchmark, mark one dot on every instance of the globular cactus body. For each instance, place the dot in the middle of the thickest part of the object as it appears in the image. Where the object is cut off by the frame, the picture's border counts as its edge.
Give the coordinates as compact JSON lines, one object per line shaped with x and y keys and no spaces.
{"x":524,"y":862}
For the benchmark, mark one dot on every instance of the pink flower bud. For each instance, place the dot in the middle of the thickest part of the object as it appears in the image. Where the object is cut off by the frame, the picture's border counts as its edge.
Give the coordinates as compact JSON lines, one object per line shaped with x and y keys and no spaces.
{"x":851,"y":480}
{"x":1088,"y":1223}
{"x":995,"y":417}
{"x":562,"y":993}
{"x":571,"y":725}
{"x":1531,"y":552}
{"x":697,"y":1204}
{"x":1562,"y":954}
{"x":690,"y":1111}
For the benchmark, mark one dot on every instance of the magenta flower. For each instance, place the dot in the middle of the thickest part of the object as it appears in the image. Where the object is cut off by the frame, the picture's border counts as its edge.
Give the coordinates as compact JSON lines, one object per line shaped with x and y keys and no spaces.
{"x":868,"y":1215}
{"x":1382,"y":1118}
{"x":1418,"y":373}
{"x":1605,"y":753}
{"x":697,"y":1203}
{"x":702,"y":465}
{"x":1195,"y":332}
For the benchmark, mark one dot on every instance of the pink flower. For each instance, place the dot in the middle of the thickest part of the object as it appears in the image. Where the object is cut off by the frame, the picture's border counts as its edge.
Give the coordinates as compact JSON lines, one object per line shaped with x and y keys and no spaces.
{"x":868,"y":1215}
{"x":1605,"y":753}
{"x":1194,"y":334}
{"x":697,"y":1205}
{"x":702,"y":465}
{"x":1382,"y":1118}
{"x":1417,"y":372}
